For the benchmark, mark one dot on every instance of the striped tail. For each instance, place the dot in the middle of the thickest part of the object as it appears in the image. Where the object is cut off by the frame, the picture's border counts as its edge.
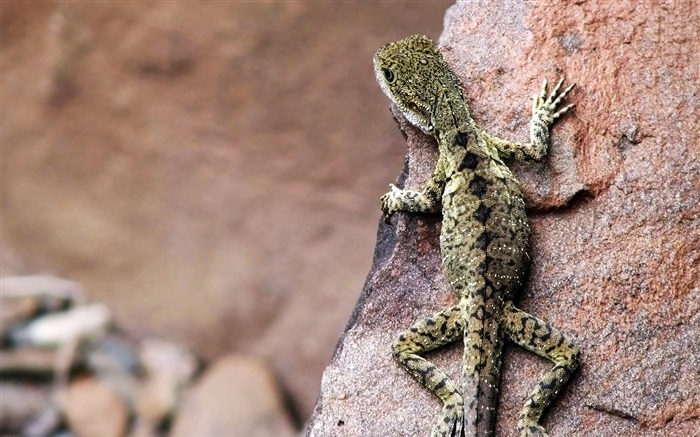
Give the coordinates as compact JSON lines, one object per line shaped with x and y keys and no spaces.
{"x":482,"y":366}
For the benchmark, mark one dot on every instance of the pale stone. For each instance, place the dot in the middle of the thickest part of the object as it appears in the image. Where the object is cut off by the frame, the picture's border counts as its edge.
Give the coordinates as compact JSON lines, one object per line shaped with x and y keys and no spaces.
{"x":237,"y":396}
{"x":66,"y":327}
{"x":94,"y":410}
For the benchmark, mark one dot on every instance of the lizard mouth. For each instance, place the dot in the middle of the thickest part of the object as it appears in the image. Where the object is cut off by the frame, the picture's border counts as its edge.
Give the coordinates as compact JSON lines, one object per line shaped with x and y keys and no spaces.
{"x":416,"y":116}
{"x":414,"y":108}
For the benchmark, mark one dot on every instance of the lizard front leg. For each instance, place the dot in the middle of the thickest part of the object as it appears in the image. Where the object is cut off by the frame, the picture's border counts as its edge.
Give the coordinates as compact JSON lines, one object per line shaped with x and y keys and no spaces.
{"x":546,"y":341}
{"x":545,"y":109}
{"x":427,"y":200}
{"x":425,"y":335}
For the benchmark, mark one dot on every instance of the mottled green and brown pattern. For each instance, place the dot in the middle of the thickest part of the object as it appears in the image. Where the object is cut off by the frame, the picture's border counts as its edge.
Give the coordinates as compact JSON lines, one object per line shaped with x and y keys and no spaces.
{"x":484,"y":243}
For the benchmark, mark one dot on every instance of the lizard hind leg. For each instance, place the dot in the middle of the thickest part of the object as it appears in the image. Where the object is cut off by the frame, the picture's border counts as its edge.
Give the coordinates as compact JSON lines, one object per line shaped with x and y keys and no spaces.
{"x":425,"y":335}
{"x":546,"y":341}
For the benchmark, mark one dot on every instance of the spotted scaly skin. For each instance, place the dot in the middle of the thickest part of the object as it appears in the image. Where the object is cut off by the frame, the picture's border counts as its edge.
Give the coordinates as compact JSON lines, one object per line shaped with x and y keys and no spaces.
{"x":484,"y":243}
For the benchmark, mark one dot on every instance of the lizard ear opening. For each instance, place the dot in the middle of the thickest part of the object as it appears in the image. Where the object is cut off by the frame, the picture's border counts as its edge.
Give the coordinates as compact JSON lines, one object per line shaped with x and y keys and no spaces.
{"x":388,"y":75}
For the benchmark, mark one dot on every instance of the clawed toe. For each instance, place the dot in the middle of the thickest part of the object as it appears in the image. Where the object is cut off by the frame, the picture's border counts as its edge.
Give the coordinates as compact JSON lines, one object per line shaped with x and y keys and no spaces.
{"x":546,"y":105}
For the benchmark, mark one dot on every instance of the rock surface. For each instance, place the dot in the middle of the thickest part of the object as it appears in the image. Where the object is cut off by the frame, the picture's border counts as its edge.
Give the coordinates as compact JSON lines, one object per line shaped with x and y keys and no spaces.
{"x":615,"y":215}
{"x":93,"y":409}
{"x":211,"y":173}
{"x":237,"y":396}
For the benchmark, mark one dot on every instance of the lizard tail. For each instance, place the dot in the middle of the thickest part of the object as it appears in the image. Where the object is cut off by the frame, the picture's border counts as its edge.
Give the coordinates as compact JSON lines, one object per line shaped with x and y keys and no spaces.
{"x":482,"y":364}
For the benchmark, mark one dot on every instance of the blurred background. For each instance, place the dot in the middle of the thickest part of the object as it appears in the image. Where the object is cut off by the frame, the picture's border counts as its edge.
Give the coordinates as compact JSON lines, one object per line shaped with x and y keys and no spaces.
{"x":209,"y":172}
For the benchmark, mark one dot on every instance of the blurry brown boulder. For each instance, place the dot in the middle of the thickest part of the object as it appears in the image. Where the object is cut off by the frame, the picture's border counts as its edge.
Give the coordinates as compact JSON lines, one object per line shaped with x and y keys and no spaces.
{"x":93,"y":409}
{"x":237,"y":396}
{"x":615,"y":215}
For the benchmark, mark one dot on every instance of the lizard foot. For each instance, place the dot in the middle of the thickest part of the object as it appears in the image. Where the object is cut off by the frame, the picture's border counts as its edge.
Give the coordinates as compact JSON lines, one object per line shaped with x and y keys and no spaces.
{"x":391,"y":202}
{"x":451,"y":422}
{"x":531,"y":429}
{"x":545,"y":108}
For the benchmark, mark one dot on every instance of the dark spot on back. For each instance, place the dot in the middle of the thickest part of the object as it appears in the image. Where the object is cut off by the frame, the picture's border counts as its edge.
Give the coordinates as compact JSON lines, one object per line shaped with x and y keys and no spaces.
{"x":478,"y":186}
{"x":483,"y":241}
{"x":484,"y":265}
{"x":462,"y":139}
{"x":482,"y":213}
{"x":470,"y":161}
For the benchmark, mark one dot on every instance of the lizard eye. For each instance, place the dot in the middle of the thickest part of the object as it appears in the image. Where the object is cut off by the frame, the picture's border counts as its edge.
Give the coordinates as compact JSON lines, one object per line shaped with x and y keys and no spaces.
{"x":388,"y":75}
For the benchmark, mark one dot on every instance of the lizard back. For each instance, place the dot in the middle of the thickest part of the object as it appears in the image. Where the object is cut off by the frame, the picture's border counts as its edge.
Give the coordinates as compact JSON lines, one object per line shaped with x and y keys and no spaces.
{"x":484,"y":243}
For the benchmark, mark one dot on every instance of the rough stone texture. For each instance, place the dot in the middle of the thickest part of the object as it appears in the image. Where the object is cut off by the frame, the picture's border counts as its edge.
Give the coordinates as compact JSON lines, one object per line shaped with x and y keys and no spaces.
{"x":93,"y":409}
{"x":210,"y":173}
{"x":237,"y":396}
{"x":615,"y":220}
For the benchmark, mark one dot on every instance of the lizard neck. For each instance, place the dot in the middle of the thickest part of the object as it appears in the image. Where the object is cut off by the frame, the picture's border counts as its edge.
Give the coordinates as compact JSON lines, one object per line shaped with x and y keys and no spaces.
{"x":454,"y":128}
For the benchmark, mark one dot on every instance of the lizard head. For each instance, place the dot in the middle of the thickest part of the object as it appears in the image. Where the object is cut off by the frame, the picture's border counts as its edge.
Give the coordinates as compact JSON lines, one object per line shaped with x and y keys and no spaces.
{"x":414,"y":75}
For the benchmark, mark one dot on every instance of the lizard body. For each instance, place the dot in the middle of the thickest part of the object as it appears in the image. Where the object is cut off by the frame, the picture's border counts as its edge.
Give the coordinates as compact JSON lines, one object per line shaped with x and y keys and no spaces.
{"x":484,"y":243}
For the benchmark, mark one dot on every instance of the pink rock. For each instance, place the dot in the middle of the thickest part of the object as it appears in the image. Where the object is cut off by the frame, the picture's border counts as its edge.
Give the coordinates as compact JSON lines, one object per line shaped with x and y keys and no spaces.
{"x":94,"y":410}
{"x":237,"y":396}
{"x":615,"y":218}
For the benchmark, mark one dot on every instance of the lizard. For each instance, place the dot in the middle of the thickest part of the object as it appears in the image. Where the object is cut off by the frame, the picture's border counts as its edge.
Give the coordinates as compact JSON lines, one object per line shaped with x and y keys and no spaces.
{"x":484,"y":242}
